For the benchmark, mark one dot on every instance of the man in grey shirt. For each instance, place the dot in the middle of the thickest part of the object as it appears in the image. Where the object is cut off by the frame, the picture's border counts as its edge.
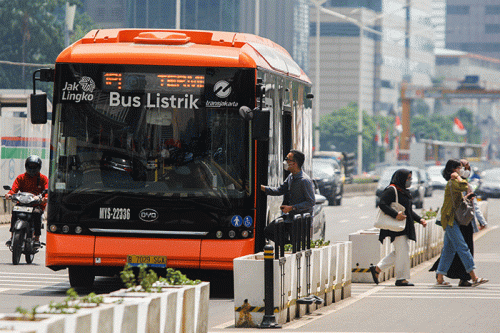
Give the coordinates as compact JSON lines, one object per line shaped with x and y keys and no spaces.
{"x":298,"y":190}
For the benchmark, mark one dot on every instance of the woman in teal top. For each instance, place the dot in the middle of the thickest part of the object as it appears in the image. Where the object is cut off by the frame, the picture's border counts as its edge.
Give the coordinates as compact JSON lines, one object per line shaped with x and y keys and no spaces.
{"x":453,"y":239}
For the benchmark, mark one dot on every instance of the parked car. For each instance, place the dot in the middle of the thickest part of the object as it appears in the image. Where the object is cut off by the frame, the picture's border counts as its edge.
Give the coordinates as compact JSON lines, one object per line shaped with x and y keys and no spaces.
{"x":416,"y":189}
{"x":426,"y":183}
{"x":489,"y":185}
{"x":437,"y":180}
{"x":319,"y":220}
{"x":326,"y":172}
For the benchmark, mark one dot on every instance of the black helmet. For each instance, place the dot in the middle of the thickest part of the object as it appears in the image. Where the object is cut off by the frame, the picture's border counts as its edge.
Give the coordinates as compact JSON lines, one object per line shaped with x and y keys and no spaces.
{"x":33,"y":165}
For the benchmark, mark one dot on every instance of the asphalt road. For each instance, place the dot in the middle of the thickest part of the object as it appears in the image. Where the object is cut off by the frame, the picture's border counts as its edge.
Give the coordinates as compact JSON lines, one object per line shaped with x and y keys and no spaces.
{"x":28,"y":285}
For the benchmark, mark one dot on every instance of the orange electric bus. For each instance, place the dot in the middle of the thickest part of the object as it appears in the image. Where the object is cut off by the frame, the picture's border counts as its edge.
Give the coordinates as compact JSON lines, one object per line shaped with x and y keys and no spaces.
{"x":160,"y":141}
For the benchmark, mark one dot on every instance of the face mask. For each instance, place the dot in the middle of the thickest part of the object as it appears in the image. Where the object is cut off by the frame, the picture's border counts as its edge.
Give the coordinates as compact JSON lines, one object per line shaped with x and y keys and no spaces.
{"x":408,"y":183}
{"x":464,"y":173}
{"x":285,"y":165}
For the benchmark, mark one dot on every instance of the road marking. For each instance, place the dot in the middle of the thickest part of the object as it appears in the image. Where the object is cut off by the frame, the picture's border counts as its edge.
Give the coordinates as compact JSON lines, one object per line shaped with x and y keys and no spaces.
{"x":322,"y":312}
{"x":37,"y":286}
{"x":34,"y":277}
{"x":35,"y":274}
{"x":343,"y":221}
{"x":364,"y":217}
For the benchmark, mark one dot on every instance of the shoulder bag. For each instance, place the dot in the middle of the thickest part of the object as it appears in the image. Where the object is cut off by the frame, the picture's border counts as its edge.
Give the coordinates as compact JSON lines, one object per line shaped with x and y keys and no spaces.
{"x":464,"y":213}
{"x":387,"y":222}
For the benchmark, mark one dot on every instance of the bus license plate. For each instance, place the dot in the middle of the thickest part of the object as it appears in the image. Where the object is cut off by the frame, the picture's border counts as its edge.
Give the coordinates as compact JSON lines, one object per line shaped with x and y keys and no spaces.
{"x":22,"y":209}
{"x":150,"y":261}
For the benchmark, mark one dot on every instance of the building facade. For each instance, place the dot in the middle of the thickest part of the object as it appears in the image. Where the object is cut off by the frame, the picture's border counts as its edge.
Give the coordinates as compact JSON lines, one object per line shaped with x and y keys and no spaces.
{"x":453,"y":66}
{"x":473,"y":26}
{"x":367,"y":66}
{"x":285,"y":22}
{"x":439,"y":23}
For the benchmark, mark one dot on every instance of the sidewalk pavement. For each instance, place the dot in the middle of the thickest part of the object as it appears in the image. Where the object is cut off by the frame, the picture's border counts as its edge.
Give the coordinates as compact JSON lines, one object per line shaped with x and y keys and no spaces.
{"x":422,"y":308}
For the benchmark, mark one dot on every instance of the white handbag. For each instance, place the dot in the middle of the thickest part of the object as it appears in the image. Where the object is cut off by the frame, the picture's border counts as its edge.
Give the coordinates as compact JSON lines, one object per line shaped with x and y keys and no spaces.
{"x":387,"y":222}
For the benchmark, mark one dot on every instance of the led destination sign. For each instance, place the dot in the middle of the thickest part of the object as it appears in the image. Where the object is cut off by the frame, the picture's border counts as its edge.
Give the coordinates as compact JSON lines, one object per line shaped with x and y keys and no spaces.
{"x":154,"y":83}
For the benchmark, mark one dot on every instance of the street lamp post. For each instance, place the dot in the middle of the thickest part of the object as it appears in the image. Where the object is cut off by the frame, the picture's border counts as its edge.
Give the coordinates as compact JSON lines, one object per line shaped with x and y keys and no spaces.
{"x":317,"y":88}
{"x":362,"y":27}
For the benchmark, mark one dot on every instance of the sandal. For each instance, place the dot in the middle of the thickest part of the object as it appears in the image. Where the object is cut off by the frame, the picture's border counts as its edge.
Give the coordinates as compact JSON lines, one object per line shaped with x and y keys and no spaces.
{"x":464,"y":283}
{"x":479,"y":281}
{"x":374,"y":274}
{"x":442,"y":284}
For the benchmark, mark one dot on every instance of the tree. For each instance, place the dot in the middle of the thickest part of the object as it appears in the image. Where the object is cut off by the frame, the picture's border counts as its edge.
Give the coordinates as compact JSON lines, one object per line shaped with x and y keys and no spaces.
{"x":339,"y":132}
{"x":31,"y":33}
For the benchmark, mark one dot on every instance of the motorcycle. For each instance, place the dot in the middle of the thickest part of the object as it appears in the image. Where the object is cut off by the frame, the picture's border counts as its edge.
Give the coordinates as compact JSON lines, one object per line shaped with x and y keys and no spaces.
{"x":23,"y":227}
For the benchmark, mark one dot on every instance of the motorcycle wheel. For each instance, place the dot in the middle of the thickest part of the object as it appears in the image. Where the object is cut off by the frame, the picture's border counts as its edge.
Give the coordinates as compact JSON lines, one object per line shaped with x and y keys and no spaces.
{"x":29,"y":257}
{"x":17,"y":246}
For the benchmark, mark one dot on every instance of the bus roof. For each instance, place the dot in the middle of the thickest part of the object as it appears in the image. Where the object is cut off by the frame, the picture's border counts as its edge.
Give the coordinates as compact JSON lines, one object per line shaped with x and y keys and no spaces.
{"x":181,"y":48}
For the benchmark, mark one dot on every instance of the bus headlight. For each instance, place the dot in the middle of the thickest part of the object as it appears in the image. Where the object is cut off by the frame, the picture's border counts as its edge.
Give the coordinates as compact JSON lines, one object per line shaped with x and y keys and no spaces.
{"x":53,"y":228}
{"x":65,"y":229}
{"x":78,"y":230}
{"x":244,"y":233}
{"x":218,"y":234}
{"x":232,"y":234}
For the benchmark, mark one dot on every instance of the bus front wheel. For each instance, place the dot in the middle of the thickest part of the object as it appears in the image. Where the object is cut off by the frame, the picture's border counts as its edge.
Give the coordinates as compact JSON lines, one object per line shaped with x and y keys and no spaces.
{"x":81,"y":276}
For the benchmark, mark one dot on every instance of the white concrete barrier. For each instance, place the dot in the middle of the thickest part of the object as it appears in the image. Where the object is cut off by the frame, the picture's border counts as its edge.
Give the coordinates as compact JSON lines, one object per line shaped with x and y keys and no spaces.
{"x":367,"y":250}
{"x":324,"y":272}
{"x":176,"y":309}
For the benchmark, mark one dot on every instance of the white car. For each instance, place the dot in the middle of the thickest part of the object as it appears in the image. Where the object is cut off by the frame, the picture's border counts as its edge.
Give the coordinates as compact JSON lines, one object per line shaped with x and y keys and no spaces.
{"x":436,"y":178}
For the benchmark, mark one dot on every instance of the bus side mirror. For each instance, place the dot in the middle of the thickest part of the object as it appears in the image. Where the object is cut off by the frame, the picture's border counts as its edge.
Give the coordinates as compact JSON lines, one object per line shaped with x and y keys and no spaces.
{"x":260,"y":121}
{"x":38,"y":108}
{"x":260,"y":128}
{"x":38,"y":102}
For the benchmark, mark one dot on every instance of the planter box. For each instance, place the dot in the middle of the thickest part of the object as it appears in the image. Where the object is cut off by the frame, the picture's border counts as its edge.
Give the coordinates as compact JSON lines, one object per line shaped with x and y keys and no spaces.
{"x":366,"y":250}
{"x":324,"y":272}
{"x":249,"y":289}
{"x":175,"y":309}
{"x":46,"y":324}
{"x":347,"y":282}
{"x":333,"y":272}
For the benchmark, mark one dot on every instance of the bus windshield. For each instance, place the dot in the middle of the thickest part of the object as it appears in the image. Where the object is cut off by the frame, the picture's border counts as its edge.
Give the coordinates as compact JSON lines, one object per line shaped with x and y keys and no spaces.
{"x":137,"y":130}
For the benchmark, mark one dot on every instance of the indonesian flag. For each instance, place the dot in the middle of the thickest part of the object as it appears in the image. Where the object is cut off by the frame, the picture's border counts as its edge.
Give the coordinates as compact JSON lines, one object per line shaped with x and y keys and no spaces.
{"x":396,"y":146}
{"x":378,"y":137}
{"x":458,"y":127}
{"x":398,"y":125}
{"x":386,"y":139}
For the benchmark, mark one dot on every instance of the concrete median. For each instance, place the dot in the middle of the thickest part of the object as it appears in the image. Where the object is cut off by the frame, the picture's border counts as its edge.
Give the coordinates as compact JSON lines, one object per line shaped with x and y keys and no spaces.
{"x":322,"y":272}
{"x":174,"y":309}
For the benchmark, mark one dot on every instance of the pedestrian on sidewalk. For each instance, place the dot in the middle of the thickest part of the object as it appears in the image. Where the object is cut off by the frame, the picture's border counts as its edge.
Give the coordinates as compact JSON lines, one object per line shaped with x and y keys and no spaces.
{"x":457,"y":268}
{"x":400,"y":257}
{"x":454,"y":241}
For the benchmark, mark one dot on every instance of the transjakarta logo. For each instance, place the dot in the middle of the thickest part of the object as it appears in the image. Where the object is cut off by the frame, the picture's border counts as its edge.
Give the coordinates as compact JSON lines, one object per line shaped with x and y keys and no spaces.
{"x":154,"y":101}
{"x":70,"y":92}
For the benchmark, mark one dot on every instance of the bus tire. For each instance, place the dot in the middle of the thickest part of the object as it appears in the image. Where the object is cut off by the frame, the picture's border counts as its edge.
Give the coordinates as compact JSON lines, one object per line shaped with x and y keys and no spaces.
{"x":81,"y":276}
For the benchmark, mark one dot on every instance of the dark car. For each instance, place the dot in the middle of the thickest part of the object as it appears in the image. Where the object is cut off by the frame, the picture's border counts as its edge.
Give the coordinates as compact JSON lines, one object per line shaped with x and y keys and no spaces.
{"x":489,"y":185}
{"x":416,"y":189}
{"x":326,"y":173}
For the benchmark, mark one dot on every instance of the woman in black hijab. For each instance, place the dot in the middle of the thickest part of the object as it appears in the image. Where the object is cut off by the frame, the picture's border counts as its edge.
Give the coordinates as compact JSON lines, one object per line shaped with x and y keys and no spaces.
{"x":400,"y":257}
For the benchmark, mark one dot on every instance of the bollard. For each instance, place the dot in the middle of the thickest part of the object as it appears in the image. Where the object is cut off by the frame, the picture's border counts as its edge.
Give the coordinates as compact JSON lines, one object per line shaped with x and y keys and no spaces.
{"x":279,"y":237}
{"x":269,"y":320}
{"x":296,"y":233}
{"x":308,"y":222}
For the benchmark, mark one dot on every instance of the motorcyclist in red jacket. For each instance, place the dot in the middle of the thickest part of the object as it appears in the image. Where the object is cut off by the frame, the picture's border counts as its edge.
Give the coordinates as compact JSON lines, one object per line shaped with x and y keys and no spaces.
{"x":31,"y":181}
